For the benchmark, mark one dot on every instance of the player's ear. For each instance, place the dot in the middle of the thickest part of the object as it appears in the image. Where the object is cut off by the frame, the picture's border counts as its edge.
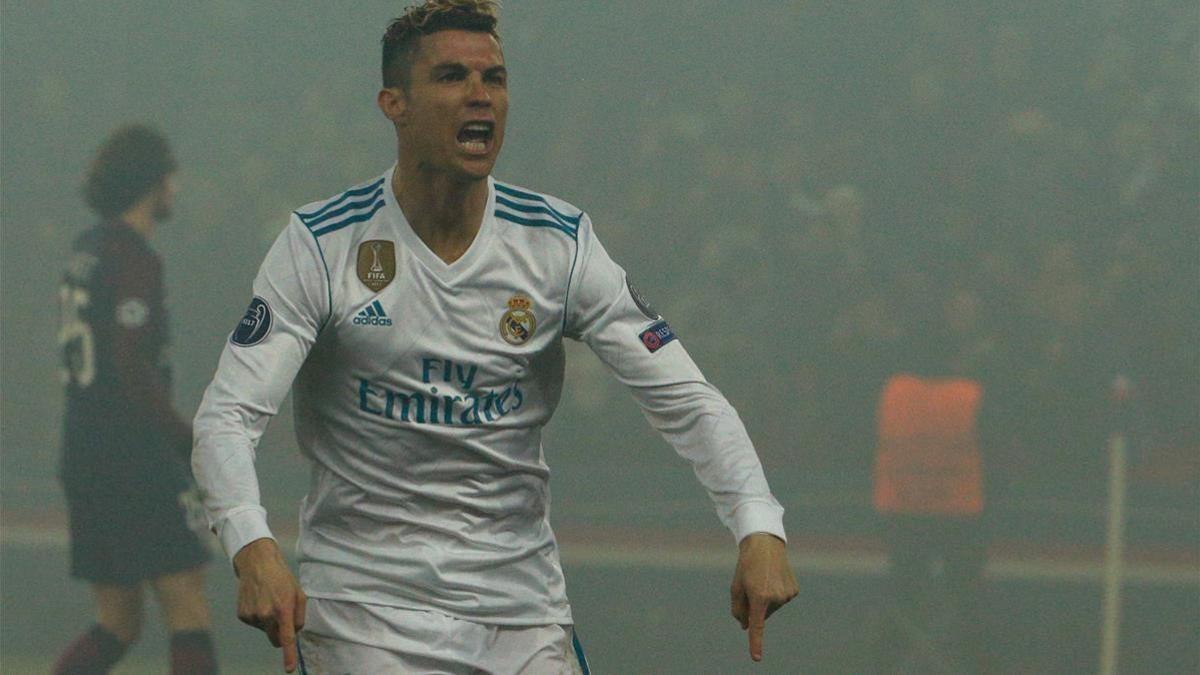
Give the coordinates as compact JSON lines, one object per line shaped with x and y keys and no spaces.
{"x":393,"y":103}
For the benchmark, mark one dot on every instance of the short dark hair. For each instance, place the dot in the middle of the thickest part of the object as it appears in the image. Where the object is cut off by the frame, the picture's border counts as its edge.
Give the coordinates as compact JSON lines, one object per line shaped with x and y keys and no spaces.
{"x":404,"y":32}
{"x":132,"y":161}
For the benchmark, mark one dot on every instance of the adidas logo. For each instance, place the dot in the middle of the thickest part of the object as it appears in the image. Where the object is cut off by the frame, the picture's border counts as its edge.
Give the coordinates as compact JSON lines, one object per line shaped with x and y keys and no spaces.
{"x":372,"y":315}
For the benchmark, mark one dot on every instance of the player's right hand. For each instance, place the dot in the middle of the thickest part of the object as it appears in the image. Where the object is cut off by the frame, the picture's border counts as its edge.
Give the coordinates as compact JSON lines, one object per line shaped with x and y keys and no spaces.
{"x":269,"y":598}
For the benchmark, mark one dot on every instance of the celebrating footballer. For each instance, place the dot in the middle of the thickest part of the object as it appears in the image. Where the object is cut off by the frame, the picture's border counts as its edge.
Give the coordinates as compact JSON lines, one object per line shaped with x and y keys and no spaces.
{"x":418,"y":318}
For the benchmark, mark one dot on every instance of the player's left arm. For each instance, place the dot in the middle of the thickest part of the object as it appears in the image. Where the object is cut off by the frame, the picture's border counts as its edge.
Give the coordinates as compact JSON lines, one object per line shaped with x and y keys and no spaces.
{"x":136,"y":322}
{"x":641,"y":349}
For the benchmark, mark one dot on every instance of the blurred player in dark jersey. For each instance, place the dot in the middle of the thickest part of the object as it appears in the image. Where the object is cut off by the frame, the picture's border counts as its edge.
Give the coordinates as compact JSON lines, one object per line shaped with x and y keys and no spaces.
{"x":125,"y":448}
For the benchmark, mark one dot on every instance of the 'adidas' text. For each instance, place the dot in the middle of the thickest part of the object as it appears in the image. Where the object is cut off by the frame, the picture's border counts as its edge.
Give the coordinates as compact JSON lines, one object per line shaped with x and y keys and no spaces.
{"x":372,"y":315}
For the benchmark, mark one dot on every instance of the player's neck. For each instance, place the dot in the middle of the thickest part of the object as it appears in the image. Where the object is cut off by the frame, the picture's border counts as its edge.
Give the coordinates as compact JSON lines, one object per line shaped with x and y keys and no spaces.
{"x":444,"y":213}
{"x":140,"y":219}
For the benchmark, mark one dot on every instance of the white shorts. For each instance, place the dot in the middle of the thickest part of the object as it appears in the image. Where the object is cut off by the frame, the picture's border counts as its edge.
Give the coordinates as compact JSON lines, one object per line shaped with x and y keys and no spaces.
{"x":349,"y":638}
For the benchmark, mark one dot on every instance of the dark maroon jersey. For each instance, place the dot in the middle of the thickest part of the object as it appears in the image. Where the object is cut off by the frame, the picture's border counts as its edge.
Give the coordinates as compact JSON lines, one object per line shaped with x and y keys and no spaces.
{"x":119,"y":417}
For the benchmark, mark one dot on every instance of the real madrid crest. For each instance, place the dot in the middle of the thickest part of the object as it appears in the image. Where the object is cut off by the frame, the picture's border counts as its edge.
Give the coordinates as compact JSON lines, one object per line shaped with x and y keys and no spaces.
{"x":518,"y":323}
{"x":376,"y":263}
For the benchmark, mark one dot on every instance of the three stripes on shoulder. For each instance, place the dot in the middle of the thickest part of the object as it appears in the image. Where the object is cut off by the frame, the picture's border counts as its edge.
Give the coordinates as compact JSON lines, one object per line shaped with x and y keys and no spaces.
{"x":533,"y":210}
{"x":352,"y":206}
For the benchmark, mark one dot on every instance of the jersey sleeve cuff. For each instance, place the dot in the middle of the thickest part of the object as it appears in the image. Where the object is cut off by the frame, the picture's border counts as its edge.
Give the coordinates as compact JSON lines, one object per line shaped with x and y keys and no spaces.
{"x":758,"y":516}
{"x":242,"y":527}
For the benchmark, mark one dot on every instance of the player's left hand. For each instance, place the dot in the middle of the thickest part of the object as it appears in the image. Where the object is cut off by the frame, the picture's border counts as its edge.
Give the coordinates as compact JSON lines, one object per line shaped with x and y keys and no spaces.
{"x":762,"y":583}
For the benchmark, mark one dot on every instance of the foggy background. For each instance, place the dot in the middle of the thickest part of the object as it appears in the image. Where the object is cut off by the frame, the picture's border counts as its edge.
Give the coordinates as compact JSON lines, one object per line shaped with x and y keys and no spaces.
{"x":804,"y":189}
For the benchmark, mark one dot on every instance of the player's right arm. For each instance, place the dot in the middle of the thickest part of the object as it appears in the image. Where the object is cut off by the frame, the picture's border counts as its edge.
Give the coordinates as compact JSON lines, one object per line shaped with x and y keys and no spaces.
{"x":261,"y":358}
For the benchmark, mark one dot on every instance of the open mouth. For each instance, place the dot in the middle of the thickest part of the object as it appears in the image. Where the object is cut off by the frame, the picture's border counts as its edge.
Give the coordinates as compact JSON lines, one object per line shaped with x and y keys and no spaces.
{"x":476,"y":137}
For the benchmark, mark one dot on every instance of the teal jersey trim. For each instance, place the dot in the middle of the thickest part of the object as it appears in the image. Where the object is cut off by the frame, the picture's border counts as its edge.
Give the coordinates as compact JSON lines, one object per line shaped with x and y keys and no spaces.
{"x":583,"y":664}
{"x":328,"y":280}
{"x":535,"y":209}
{"x":567,"y":295}
{"x":357,"y":218}
{"x":308,"y":218}
{"x":532,"y":196}
{"x":536,"y":222}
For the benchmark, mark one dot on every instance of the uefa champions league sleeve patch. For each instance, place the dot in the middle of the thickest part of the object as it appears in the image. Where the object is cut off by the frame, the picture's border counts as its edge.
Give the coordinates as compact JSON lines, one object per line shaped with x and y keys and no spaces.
{"x":656,"y":336}
{"x":255,"y":326}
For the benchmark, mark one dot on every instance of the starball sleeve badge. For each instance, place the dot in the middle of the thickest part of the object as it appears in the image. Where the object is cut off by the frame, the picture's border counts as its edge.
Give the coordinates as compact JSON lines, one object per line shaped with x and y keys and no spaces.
{"x":376,"y":263}
{"x":518,"y":323}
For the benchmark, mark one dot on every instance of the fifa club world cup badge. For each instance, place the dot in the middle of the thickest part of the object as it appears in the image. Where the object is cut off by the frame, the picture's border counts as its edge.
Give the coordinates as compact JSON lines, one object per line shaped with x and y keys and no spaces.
{"x":376,"y":263}
{"x":518,"y":323}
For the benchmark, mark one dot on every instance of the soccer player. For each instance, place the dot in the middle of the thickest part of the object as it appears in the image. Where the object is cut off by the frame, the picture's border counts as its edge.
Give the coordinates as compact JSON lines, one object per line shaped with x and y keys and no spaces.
{"x":422,"y":316}
{"x":124,"y":465}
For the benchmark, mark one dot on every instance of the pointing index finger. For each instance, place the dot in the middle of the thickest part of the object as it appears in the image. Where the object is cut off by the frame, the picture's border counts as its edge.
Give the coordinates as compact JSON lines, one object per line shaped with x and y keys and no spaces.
{"x":758,"y":617}
{"x":287,"y":640}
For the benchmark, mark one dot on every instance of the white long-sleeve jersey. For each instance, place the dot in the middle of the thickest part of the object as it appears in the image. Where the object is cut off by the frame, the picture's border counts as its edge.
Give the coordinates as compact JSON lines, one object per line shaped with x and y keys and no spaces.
{"x":421,"y":390}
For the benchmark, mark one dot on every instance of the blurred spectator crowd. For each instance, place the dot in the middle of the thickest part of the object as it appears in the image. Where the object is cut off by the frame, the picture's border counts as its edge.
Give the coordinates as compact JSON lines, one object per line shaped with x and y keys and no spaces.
{"x":1018,"y":192}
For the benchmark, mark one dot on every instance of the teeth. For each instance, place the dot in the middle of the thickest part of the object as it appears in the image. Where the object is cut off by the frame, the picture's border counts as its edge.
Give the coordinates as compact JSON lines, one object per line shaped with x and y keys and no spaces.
{"x":474,"y":137}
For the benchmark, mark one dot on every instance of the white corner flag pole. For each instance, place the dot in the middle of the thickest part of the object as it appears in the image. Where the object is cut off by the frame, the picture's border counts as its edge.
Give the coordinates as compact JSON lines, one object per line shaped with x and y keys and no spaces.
{"x":1113,"y":552}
